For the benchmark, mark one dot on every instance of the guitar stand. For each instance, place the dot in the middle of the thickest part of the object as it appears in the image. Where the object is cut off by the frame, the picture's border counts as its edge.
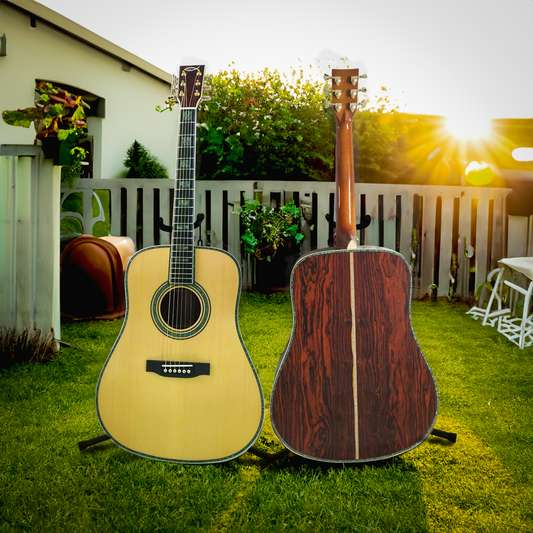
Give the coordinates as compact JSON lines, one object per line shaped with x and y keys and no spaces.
{"x":362,"y":225}
{"x":452,"y":437}
{"x":267,"y":458}
{"x":197,"y":224}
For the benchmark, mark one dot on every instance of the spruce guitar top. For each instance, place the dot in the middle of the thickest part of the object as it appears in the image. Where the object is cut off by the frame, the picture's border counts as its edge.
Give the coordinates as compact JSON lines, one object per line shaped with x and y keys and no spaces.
{"x":352,"y":384}
{"x":179,"y":384}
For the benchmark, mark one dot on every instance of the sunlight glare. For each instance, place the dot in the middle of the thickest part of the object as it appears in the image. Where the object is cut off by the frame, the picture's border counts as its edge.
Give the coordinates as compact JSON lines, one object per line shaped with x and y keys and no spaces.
{"x":479,"y":173}
{"x":468,"y":126}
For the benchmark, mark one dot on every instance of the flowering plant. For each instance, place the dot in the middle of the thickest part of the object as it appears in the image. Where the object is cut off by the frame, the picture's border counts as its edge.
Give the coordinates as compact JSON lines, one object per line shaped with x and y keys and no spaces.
{"x":57,"y":114}
{"x":267,"y":229}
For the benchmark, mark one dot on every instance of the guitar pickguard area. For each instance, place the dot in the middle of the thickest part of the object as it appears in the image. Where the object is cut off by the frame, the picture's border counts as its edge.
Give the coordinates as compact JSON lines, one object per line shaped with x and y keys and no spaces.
{"x":180,"y":311}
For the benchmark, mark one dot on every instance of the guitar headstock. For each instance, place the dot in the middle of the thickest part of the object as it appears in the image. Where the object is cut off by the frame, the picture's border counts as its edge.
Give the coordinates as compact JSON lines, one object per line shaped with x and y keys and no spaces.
{"x":188,"y":87}
{"x":344,"y":92}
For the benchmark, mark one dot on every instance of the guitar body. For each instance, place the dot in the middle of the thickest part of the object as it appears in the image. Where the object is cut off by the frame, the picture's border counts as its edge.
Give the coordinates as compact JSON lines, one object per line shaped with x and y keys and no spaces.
{"x":146,"y":401}
{"x":352,"y":384}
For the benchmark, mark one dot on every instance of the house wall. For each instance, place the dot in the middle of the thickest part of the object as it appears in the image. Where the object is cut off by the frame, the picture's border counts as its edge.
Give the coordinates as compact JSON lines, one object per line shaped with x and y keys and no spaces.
{"x":131,"y":95}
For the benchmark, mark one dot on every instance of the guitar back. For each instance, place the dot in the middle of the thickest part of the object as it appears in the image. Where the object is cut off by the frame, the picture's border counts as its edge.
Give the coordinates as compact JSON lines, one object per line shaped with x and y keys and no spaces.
{"x":352,"y":384}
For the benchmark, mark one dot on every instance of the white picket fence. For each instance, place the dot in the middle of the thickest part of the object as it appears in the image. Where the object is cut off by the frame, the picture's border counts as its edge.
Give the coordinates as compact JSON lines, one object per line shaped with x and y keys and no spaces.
{"x":29,"y":240}
{"x":427,"y":224}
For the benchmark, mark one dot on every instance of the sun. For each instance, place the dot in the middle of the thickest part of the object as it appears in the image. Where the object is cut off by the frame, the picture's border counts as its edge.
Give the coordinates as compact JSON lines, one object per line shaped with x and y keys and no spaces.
{"x":467,"y":126}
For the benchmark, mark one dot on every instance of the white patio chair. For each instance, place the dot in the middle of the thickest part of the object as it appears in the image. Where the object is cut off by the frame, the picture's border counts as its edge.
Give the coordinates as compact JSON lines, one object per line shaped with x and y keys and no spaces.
{"x":489,"y":316}
{"x":518,"y":329}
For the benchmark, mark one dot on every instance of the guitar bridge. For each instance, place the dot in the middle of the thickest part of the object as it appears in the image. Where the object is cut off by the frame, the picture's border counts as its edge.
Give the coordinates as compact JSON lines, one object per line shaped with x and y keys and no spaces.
{"x":178,"y":369}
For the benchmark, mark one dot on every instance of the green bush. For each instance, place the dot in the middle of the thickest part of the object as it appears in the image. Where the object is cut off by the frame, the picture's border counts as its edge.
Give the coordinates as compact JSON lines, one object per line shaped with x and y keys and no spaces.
{"x":142,"y":164}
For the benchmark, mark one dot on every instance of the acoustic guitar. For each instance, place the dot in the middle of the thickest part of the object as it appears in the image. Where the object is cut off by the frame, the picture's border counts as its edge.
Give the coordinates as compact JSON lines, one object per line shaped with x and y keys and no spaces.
{"x":179,"y":384}
{"x":352,"y":384}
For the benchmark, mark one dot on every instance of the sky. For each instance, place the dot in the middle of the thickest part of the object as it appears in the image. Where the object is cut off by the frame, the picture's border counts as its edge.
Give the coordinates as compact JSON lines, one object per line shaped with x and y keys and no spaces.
{"x":467,"y":58}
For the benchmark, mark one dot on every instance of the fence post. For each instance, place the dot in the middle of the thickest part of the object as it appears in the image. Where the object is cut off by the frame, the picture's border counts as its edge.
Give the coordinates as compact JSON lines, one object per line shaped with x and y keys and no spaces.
{"x":427,"y":240}
{"x":446,"y":245}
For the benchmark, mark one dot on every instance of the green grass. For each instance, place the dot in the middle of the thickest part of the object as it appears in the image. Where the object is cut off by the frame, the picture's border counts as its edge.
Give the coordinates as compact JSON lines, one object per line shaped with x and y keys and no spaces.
{"x":483,"y":483}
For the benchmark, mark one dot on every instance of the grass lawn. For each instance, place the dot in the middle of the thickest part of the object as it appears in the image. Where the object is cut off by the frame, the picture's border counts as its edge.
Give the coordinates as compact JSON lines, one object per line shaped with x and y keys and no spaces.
{"x":483,"y":483}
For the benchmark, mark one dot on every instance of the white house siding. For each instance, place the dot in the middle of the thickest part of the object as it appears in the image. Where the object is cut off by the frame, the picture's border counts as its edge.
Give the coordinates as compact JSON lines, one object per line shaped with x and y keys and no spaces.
{"x":48,"y":53}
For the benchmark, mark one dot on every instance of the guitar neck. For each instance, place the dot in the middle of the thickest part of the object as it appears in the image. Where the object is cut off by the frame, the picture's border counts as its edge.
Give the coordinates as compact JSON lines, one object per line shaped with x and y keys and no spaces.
{"x":345,"y":229}
{"x":181,"y":267}
{"x":344,"y":91}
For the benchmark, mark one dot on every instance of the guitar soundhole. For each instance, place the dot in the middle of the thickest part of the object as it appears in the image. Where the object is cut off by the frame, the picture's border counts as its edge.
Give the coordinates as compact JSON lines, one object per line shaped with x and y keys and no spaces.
{"x":180,"y":308}
{"x":182,"y":311}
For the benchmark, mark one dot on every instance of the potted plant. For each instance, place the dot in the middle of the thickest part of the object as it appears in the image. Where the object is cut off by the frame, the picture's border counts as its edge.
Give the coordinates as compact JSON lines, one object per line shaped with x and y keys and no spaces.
{"x":272,"y":237}
{"x":60,"y":124}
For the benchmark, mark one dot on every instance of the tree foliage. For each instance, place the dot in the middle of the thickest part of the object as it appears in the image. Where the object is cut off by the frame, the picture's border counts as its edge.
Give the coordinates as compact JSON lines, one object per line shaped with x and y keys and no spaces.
{"x":265,"y":125}
{"x":378,"y":133}
{"x":270,"y":125}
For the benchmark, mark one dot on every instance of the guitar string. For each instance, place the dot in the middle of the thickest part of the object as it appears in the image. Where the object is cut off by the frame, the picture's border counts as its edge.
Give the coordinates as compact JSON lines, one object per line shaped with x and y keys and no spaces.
{"x":181,"y":298}
{"x":181,"y":253}
{"x":174,"y":274}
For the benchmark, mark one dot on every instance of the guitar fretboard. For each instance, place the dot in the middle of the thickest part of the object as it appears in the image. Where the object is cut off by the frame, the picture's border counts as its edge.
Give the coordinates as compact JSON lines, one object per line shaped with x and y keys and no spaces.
{"x":181,"y":266}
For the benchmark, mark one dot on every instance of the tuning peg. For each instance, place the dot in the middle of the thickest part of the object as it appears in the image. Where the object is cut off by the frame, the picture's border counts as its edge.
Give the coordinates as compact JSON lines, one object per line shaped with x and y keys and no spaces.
{"x":329,"y":103}
{"x":336,"y":79}
{"x":175,"y":85}
{"x":353,"y":92}
{"x":208,"y":88}
{"x":354,"y":79}
{"x":361,"y":104}
{"x":208,"y":79}
{"x":205,"y":98}
{"x":328,"y":91}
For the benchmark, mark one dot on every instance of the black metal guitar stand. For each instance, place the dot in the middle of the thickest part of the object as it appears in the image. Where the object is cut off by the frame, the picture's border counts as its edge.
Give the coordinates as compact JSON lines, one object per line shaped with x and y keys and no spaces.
{"x":267,"y":458}
{"x":197,"y":224}
{"x":362,"y":225}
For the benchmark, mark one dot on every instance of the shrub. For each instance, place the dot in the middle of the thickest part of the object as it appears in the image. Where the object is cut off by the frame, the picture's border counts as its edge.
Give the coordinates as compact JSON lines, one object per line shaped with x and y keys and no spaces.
{"x":142,"y":164}
{"x":267,"y":229}
{"x":26,"y":346}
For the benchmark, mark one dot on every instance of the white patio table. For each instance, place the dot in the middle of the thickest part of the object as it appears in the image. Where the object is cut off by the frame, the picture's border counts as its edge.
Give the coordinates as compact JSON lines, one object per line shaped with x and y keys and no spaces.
{"x":518,"y":329}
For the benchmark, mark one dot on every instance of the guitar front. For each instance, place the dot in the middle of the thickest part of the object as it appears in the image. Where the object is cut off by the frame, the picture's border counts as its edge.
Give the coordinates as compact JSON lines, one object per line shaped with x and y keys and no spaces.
{"x":179,"y":384}
{"x":211,"y":417}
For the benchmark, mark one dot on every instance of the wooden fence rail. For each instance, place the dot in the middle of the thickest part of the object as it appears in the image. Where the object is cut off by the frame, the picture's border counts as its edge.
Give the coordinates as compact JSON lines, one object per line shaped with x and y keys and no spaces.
{"x":433,"y":227}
